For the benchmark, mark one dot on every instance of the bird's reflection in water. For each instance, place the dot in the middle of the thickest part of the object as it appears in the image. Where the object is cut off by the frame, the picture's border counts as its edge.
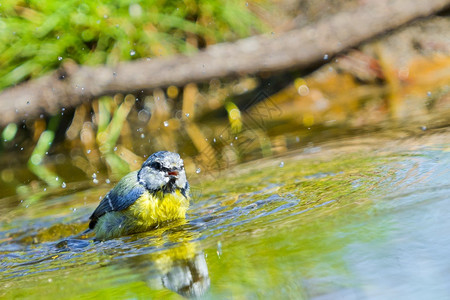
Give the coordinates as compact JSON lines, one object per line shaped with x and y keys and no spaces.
{"x":180,"y":267}
{"x":188,"y":277}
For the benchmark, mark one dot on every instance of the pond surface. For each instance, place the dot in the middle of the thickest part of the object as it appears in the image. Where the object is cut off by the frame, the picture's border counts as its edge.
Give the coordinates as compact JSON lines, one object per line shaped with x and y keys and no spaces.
{"x":361,"y":218}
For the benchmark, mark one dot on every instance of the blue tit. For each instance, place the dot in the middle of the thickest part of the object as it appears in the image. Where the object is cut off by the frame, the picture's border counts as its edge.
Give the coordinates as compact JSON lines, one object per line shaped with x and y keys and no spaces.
{"x":144,"y":199}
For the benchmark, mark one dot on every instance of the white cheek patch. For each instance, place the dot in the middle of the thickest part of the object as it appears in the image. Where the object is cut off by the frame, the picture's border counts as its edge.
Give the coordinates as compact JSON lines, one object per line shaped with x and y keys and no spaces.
{"x":181,"y":181}
{"x":155,"y":180}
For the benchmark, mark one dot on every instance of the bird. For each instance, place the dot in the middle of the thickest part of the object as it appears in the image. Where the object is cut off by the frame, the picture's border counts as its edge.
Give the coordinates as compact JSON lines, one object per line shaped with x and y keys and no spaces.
{"x":143,"y":200}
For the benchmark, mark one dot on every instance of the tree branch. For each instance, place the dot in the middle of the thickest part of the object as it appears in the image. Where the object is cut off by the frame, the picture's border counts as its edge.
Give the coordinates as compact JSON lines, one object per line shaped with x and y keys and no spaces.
{"x":299,"y":48}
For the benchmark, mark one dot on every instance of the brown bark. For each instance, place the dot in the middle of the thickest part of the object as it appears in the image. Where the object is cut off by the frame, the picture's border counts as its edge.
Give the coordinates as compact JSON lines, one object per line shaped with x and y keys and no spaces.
{"x":299,"y":48}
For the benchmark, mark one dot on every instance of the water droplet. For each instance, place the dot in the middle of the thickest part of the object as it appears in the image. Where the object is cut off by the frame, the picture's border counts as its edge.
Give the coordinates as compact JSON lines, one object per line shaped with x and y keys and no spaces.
{"x":132,"y":52}
{"x":63,"y":185}
{"x":219,"y":249}
{"x":429,"y":94}
{"x":303,"y":90}
{"x":198,"y":170}
{"x":214,"y":140}
{"x":45,"y":189}
{"x":94,"y":175}
{"x":108,"y":181}
{"x":166,"y":123}
{"x":88,"y":151}
{"x":142,"y":135}
{"x":144,"y":115}
{"x":187,"y":115}
{"x":59,"y":58}
{"x":115,"y":149}
{"x":423,"y":128}
{"x":281,"y":164}
{"x":325,"y":57}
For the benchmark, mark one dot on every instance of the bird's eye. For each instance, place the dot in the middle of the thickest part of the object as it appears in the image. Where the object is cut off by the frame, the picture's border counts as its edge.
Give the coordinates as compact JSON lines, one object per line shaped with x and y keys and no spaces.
{"x":155,"y":165}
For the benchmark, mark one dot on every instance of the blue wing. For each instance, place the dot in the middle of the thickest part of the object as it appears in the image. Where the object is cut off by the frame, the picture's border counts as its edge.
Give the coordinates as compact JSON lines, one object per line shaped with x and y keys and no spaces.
{"x":125,"y":193}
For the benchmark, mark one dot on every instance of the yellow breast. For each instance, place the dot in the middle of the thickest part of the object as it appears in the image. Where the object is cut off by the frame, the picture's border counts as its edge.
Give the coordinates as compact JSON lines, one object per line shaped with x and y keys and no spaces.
{"x":146,"y":213}
{"x":155,"y":209}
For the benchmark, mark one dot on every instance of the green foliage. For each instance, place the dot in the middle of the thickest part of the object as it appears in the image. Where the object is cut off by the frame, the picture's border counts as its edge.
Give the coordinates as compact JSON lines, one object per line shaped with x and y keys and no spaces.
{"x":43,"y":145}
{"x":109,"y":129}
{"x":9,"y":132}
{"x":36,"y":36}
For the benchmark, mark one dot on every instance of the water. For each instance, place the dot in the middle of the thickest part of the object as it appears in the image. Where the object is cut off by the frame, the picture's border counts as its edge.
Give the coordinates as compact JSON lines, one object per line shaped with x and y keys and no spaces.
{"x":363,"y":218}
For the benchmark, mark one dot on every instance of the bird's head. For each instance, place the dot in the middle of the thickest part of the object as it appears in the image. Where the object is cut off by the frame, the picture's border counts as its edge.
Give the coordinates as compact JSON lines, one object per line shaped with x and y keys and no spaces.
{"x":163,"y":171}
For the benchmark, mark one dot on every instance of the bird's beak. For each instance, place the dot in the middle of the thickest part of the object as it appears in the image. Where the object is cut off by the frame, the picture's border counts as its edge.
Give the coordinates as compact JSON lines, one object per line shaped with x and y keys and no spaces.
{"x":173,"y":173}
